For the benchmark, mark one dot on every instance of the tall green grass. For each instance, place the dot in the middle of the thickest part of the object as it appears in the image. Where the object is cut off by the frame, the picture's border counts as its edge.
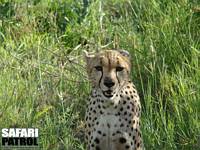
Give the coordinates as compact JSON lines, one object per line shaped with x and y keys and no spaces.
{"x":43,"y":82}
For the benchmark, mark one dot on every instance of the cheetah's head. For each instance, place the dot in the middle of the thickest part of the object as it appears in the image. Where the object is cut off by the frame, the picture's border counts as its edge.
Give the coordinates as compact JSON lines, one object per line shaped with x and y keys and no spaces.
{"x":108,"y":70}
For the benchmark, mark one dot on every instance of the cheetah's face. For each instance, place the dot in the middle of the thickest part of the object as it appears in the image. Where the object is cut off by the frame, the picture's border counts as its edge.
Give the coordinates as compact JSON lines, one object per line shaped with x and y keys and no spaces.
{"x":108,"y":70}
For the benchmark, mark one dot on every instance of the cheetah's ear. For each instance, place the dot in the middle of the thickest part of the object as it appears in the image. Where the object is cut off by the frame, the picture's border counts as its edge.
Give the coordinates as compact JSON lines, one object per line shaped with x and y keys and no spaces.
{"x":124,"y":53}
{"x":88,"y":55}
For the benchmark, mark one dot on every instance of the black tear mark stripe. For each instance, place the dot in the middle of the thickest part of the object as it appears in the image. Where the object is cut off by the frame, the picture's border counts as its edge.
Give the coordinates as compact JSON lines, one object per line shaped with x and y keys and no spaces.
{"x":116,"y":71}
{"x":100,"y":78}
{"x":101,"y":62}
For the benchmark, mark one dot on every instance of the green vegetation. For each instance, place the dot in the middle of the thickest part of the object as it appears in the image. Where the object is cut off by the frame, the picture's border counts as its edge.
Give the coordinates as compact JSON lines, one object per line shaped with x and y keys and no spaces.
{"x":43,"y":82}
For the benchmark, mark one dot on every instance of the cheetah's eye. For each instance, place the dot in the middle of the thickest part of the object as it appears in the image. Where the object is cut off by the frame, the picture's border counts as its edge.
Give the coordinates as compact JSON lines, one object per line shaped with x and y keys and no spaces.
{"x":119,"y":68}
{"x":98,"y":68}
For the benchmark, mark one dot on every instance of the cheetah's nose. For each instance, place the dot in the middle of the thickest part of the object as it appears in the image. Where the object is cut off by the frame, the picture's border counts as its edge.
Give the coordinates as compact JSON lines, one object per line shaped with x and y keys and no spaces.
{"x":108,"y":82}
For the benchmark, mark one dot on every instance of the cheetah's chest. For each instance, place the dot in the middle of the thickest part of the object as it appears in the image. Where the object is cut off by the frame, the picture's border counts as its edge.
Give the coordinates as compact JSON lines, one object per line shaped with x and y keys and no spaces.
{"x":108,"y":123}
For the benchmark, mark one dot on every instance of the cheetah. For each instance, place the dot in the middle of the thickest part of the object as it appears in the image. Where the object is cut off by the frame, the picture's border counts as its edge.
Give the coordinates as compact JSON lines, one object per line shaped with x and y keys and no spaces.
{"x":113,"y":111}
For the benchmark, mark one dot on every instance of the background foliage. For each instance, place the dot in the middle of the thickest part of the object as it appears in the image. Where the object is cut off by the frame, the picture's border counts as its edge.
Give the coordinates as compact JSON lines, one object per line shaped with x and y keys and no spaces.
{"x":43,"y":82}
